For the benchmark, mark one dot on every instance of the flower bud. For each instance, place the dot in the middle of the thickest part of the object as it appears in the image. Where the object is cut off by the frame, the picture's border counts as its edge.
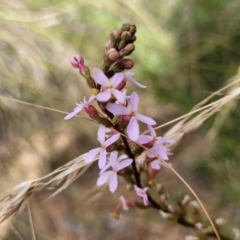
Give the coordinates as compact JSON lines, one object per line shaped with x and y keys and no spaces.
{"x":127,"y":50}
{"x":133,"y":39}
{"x":77,"y":61}
{"x":185,"y":201}
{"x":133,"y":29}
{"x":117,"y":33}
{"x":127,"y":63}
{"x":126,"y":36}
{"x":113,"y":54}
{"x":126,"y":26}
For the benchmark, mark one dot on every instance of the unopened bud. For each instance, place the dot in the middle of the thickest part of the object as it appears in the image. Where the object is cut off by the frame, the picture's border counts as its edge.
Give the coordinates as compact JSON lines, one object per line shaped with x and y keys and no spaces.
{"x":165,"y":215}
{"x":77,"y":61}
{"x":199,"y":226}
{"x":127,"y":50}
{"x":117,"y":33}
{"x":220,"y":221}
{"x":133,"y":39}
{"x":185,"y":201}
{"x":113,"y":54}
{"x":194,"y":204}
{"x":127,"y":63}
{"x":126,"y":26}
{"x":133,"y":29}
{"x":126,"y":36}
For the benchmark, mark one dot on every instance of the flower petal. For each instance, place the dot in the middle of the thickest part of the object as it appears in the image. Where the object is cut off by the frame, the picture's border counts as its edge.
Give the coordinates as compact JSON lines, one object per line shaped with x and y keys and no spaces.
{"x":100,"y":77}
{"x":112,"y":139}
{"x":124,"y":164}
{"x":91,"y":155}
{"x":133,"y":129}
{"x":155,"y":165}
{"x":129,"y":78}
{"x":145,"y":119}
{"x":152,"y":131}
{"x":113,"y":182}
{"x":162,"y":151}
{"x":142,"y":139}
{"x":134,"y":100}
{"x":74,"y":112}
{"x":103,"y":178}
{"x":117,"y":109}
{"x":101,"y":133}
{"x":117,"y":79}
{"x":119,"y":95}
{"x":113,"y":159}
{"x":102,"y":159}
{"x":103,"y":96}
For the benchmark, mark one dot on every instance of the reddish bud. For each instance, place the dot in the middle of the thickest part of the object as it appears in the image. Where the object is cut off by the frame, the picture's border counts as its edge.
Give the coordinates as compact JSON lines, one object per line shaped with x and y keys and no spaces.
{"x":77,"y":61}
{"x":113,"y":54}
{"x":127,"y":63}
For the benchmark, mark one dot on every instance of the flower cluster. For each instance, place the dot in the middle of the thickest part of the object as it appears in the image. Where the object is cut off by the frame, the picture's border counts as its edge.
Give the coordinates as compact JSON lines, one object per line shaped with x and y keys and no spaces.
{"x":118,"y":116}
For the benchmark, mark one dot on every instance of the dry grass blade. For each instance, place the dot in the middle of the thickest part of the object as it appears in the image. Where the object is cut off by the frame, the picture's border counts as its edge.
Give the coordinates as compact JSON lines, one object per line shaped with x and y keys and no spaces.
{"x":62,"y":177}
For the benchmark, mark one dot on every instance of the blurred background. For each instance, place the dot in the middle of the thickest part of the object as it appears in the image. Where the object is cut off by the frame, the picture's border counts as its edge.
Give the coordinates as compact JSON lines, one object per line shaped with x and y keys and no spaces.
{"x":185,"y":50}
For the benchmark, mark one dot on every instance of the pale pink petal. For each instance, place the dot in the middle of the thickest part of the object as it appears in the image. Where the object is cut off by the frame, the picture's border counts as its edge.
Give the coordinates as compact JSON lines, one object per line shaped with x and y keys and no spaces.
{"x":100,"y":77}
{"x":117,"y":79}
{"x":142,"y":139}
{"x":153,"y":152}
{"x":132,"y":80}
{"x":113,"y":182}
{"x":134,"y":100}
{"x":91,"y":155}
{"x":75,"y":112}
{"x":155,"y":165}
{"x":117,"y":109}
{"x":124,"y":164}
{"x":101,"y":133}
{"x":119,"y":95}
{"x":133,"y":129}
{"x":145,"y":119}
{"x":145,"y":200}
{"x":113,"y":159}
{"x":112,"y":139}
{"x":102,"y":159}
{"x":152,"y":131}
{"x":103,"y":96}
{"x":162,"y":151}
{"x":103,"y":178}
{"x":124,"y":156}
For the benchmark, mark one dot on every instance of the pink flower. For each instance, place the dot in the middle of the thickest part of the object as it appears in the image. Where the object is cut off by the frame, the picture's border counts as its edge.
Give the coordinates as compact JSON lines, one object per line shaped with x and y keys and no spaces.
{"x":157,"y":145}
{"x":85,"y":106}
{"x":128,"y":77}
{"x":132,"y":115}
{"x":101,"y":150}
{"x":77,"y":61}
{"x":109,"y":87}
{"x":142,"y":194}
{"x":111,"y":176}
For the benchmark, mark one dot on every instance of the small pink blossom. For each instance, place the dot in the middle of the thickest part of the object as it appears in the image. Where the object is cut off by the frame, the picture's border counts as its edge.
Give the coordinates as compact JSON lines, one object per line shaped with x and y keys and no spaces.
{"x":131,"y":115}
{"x":77,"y":61}
{"x":111,"y":176}
{"x":109,"y":87}
{"x":142,"y":194}
{"x":157,"y":145}
{"x":101,"y":150}
{"x":82,"y":106}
